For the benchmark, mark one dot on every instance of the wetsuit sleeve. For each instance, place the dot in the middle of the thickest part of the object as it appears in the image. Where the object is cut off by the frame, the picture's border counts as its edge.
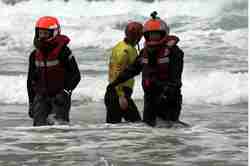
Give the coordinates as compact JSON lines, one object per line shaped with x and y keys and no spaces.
{"x":73,"y":75}
{"x":131,"y":71}
{"x":31,"y":77}
{"x":176,"y":67}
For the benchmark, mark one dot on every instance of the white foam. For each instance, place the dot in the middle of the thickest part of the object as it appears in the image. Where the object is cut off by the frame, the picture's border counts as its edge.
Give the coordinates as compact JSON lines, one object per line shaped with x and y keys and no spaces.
{"x":237,"y":38}
{"x":13,"y":89}
{"x":45,"y":128}
{"x":216,"y":88}
{"x":209,"y":38}
{"x":91,"y":24}
{"x":212,"y":88}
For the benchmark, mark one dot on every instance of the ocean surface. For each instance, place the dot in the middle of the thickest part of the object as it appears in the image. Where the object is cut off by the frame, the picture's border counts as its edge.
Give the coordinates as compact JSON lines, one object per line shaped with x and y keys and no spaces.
{"x":214,"y":37}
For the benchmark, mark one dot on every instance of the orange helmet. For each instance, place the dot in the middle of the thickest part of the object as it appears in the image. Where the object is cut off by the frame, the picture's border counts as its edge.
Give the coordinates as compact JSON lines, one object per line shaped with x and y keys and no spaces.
{"x":155,"y":24}
{"x":49,"y":23}
{"x":134,"y":30}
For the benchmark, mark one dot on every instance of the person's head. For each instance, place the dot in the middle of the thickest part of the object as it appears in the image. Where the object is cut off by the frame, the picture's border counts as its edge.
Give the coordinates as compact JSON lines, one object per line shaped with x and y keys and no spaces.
{"x":133,"y":32}
{"x":155,"y":28}
{"x":47,"y":28}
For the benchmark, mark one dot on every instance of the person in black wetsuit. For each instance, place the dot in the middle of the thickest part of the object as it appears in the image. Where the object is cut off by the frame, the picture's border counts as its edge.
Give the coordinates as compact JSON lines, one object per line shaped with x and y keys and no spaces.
{"x":161,"y":64}
{"x":53,"y":74}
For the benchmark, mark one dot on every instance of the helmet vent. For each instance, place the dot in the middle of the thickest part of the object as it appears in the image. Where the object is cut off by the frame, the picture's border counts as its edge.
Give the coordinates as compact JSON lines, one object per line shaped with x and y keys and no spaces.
{"x":154,"y":15}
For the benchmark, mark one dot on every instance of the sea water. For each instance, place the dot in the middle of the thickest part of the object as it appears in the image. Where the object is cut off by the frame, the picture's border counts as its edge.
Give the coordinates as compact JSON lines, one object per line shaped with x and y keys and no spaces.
{"x":214,"y":37}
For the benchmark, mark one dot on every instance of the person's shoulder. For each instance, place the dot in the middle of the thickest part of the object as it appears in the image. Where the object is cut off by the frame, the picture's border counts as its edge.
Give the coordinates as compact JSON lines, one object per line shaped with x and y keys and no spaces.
{"x":32,"y":54}
{"x":123,"y":45}
{"x":121,"y":48}
{"x":65,"y":53}
{"x":119,"y":44}
{"x":172,"y":43}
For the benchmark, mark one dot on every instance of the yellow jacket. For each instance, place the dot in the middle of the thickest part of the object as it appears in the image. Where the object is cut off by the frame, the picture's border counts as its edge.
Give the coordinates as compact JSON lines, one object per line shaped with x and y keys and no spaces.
{"x":123,"y":54}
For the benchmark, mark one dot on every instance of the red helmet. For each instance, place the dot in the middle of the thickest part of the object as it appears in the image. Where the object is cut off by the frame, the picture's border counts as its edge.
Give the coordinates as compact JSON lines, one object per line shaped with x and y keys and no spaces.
{"x":48,"y":23}
{"x":155,"y":24}
{"x":134,"y":31}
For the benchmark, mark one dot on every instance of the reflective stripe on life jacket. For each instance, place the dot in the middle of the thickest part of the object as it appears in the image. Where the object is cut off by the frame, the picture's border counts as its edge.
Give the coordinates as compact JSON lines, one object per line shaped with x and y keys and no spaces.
{"x":48,"y":64}
{"x":159,"y":61}
{"x":163,"y":60}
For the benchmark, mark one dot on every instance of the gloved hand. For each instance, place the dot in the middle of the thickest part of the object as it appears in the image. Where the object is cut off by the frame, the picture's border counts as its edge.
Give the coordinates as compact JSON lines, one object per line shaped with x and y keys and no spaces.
{"x":31,"y":112}
{"x":110,"y":96}
{"x":110,"y":87}
{"x":62,"y":97}
{"x":168,"y":93}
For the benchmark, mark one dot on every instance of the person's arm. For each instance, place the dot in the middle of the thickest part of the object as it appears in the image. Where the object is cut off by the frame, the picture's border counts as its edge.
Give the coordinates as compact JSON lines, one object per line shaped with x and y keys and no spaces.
{"x":129,"y":72}
{"x":31,"y":78}
{"x":73,"y":75}
{"x":176,"y":67}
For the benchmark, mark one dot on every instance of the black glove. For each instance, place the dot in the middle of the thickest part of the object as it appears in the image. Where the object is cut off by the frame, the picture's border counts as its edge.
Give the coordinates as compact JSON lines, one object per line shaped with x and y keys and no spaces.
{"x":31,"y":112}
{"x":62,"y":97}
{"x":110,"y":97}
{"x":110,"y":87}
{"x":168,"y":93}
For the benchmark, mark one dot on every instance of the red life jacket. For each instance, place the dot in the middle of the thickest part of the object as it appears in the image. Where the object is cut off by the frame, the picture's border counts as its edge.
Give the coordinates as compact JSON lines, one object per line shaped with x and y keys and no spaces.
{"x":51,"y":71}
{"x":160,"y":71}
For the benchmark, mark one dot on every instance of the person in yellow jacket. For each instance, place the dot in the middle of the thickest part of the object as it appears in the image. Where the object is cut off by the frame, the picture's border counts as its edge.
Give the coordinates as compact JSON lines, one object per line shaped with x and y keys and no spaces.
{"x":118,"y":101}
